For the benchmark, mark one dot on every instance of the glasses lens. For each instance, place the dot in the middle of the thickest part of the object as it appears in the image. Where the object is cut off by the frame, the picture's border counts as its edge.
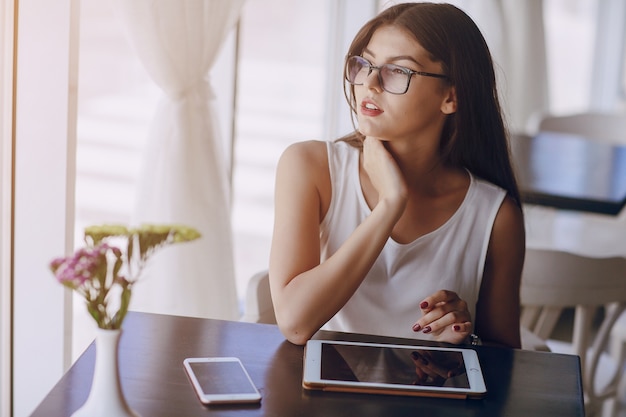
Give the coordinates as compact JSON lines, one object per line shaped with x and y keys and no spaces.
{"x":395,"y":79}
{"x":357,"y":70}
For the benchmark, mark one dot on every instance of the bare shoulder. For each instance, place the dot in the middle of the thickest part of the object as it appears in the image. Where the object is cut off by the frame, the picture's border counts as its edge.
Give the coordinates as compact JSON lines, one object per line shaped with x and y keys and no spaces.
{"x":508,"y":237}
{"x":304,"y":163}
{"x":305,"y":154}
{"x":303,"y":176}
{"x":509,"y":220}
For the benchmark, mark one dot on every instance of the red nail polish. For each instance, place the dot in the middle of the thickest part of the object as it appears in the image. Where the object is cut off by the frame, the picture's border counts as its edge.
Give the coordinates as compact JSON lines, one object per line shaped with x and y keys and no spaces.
{"x":424,"y":304}
{"x":457,"y":328}
{"x":427,"y":329}
{"x":417,"y":328}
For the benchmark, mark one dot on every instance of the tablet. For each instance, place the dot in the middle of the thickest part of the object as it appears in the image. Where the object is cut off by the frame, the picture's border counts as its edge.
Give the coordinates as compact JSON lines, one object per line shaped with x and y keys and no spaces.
{"x":392,"y":369}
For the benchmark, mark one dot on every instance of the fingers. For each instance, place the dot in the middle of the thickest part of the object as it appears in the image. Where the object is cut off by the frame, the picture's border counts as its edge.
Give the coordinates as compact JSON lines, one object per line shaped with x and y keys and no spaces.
{"x":439,"y":298}
{"x":374,"y":154}
{"x":453,"y":321}
{"x":383,"y":171}
{"x":445,"y":316}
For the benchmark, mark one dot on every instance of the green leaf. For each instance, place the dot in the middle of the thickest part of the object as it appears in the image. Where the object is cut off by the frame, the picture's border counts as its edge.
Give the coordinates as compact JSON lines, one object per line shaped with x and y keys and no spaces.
{"x":121,"y":313}
{"x":99,"y":233}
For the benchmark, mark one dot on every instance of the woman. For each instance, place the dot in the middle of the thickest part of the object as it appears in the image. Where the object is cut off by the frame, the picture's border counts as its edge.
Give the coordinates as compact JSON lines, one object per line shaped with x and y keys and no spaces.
{"x":412,"y":225}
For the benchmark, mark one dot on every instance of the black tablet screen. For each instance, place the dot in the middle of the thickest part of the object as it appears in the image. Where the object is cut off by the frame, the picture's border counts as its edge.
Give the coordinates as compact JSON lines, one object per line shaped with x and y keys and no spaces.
{"x":393,"y":365}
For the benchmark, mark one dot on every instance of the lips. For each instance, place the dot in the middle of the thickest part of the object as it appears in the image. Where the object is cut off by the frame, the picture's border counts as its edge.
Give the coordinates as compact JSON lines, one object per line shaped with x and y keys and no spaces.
{"x":369,"y":108}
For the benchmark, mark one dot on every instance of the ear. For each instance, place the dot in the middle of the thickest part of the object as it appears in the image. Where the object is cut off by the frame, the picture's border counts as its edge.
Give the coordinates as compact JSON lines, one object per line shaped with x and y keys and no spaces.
{"x":448,"y":106}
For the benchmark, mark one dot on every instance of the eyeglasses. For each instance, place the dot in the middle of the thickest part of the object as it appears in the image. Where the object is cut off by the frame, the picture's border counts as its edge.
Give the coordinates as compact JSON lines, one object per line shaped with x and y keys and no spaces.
{"x":393,"y":79}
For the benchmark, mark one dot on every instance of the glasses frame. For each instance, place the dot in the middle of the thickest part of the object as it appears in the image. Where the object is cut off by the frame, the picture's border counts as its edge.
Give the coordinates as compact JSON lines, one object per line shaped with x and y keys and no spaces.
{"x":407,"y":71}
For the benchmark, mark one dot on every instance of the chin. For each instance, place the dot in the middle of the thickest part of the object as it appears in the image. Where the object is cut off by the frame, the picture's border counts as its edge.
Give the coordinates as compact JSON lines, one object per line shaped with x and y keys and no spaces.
{"x":371,"y":131}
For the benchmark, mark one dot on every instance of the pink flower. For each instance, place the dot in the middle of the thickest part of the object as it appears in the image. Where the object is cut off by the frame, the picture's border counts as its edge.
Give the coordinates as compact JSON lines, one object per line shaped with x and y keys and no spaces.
{"x":84,"y":266}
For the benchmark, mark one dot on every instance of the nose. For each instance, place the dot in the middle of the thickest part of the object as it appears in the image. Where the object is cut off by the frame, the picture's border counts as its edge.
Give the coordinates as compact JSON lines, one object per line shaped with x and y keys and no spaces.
{"x":372,"y":81}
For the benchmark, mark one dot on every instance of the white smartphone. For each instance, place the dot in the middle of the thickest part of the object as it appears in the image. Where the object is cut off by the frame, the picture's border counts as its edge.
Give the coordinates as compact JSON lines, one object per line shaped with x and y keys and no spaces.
{"x":221,"y":380}
{"x":392,"y":369}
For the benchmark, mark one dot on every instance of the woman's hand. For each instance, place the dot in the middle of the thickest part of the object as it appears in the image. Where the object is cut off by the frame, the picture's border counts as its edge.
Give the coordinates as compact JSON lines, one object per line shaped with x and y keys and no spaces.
{"x":383,"y":172}
{"x":446,"y":317}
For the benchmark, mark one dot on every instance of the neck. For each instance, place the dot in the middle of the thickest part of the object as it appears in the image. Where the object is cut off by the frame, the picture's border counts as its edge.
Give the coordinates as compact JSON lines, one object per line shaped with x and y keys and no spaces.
{"x":418,"y":160}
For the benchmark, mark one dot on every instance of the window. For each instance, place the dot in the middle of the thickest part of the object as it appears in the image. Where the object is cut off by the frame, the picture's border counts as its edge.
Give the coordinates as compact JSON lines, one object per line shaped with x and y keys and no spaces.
{"x":281,"y":96}
{"x":570,"y":35}
{"x":116,"y":103}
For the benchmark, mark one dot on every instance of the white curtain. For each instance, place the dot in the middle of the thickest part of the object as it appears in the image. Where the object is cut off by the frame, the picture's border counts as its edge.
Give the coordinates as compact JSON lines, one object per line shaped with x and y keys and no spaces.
{"x":514,"y":31}
{"x":184,"y":178}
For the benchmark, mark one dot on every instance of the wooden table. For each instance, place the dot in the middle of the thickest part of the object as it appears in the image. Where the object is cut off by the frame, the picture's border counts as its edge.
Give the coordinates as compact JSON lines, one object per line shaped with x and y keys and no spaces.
{"x":152,"y":349}
{"x":570,"y":172}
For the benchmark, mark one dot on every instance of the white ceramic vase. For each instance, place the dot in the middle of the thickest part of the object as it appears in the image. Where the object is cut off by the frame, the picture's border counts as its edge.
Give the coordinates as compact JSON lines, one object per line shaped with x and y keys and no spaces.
{"x":106,"y":398}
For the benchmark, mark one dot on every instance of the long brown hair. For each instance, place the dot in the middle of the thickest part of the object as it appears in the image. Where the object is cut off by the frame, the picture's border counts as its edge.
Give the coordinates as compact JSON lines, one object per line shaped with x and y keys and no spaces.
{"x":475,"y":137}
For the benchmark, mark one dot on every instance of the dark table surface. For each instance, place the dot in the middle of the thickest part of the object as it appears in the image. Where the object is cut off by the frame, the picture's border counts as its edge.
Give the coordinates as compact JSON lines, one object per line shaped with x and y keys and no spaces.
{"x":152,"y":349}
{"x":570,"y":172}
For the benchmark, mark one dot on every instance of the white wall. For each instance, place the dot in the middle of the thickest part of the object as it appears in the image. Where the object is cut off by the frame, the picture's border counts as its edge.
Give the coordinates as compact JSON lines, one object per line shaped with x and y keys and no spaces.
{"x":44,"y":187}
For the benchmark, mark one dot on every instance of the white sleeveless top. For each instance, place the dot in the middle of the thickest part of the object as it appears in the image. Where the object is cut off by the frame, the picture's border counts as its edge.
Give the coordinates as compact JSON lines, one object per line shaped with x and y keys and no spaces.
{"x":451,"y":257}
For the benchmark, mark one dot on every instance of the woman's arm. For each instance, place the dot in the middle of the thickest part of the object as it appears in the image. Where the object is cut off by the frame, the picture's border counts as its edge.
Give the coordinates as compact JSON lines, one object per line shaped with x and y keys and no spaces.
{"x":305,"y":293}
{"x":498,"y":308}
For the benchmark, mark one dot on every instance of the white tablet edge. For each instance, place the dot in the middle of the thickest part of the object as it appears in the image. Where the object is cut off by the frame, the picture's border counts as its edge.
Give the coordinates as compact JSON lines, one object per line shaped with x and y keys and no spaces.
{"x":312,"y":368}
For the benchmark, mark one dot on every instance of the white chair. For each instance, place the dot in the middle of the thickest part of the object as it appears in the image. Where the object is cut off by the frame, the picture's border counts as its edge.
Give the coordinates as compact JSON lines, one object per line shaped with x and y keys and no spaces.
{"x":553,"y":280}
{"x":258,"y":302}
{"x":605,"y":127}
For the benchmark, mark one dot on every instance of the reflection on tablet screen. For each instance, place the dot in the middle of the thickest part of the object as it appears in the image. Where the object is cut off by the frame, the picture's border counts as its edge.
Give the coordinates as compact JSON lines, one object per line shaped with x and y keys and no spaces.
{"x":393,"y":365}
